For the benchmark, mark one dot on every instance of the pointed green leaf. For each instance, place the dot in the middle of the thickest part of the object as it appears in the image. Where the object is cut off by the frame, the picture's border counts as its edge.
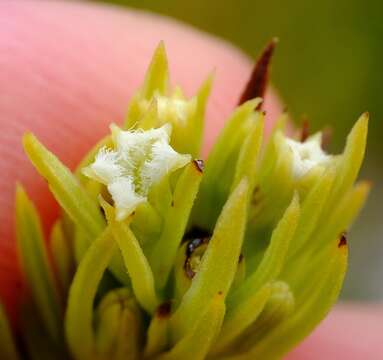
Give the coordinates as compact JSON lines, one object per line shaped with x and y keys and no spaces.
{"x":274,"y":257}
{"x":219,"y":263}
{"x":82,"y":209}
{"x":221,"y":165}
{"x":137,"y":265}
{"x":311,"y":210}
{"x":35,"y":264}
{"x":157,"y":75}
{"x":158,"y":332}
{"x":349,"y":163}
{"x":268,"y":209}
{"x":269,"y":155}
{"x":193,"y":133}
{"x":240,"y":317}
{"x":353,"y":153}
{"x":79,"y":315}
{"x":176,"y":219}
{"x":248,"y":156}
{"x":279,"y":306}
{"x":325,"y":292}
{"x":343,"y":215}
{"x":200,"y":336}
{"x":63,"y":256}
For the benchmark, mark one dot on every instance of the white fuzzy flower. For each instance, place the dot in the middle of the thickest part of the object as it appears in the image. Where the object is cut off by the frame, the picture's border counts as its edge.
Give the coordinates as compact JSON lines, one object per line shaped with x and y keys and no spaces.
{"x":307,"y":154}
{"x":139,"y":160}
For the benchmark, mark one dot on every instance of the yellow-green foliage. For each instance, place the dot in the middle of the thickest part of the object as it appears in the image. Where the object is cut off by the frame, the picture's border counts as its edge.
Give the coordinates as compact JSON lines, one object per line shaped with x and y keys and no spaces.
{"x":239,"y":260}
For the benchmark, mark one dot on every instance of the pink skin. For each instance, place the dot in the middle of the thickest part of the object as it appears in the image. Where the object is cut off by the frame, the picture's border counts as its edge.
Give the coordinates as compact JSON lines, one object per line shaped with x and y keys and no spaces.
{"x":68,"y":70}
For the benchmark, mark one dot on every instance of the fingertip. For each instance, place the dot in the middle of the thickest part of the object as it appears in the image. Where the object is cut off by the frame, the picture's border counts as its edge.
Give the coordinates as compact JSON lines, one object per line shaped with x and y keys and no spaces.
{"x":350,"y":331}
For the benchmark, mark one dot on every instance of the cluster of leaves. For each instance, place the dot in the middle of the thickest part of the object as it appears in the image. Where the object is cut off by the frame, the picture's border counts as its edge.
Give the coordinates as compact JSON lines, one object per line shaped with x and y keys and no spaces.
{"x":239,"y":260}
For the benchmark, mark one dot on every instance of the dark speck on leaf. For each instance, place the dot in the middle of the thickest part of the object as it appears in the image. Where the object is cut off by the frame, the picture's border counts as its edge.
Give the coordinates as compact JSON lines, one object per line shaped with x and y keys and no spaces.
{"x":342,"y":240}
{"x":199,"y":164}
{"x":164,"y":309}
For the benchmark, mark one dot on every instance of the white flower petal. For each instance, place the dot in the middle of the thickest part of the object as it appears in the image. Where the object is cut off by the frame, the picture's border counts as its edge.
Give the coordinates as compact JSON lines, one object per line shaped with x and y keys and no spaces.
{"x":164,"y":160}
{"x":124,"y":196}
{"x":140,"y":159}
{"x":105,"y":168}
{"x":307,"y":155}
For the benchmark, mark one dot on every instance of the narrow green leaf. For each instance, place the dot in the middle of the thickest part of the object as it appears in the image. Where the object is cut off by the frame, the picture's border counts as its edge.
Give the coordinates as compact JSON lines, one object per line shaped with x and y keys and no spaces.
{"x":274,"y":257}
{"x":63,"y":256}
{"x":137,"y":265}
{"x":353,"y":153}
{"x":177,"y":216}
{"x":7,"y":345}
{"x":230,"y":137}
{"x":280,"y":340}
{"x":218,"y":265}
{"x":269,"y":154}
{"x":79,"y":315}
{"x":279,"y":305}
{"x":248,"y":156}
{"x":311,"y":210}
{"x":349,"y":163}
{"x":35,"y":264}
{"x":269,"y":208}
{"x":343,"y":215}
{"x":221,"y":165}
{"x":158,"y":332}
{"x":82,"y":209}
{"x":239,"y":318}
{"x":157,"y":75}
{"x":193,"y":133}
{"x":81,"y":243}
{"x":198,"y":339}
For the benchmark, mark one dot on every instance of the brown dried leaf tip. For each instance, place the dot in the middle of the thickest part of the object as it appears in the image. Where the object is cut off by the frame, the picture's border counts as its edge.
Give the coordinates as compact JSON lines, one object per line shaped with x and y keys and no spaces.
{"x":305,"y":130}
{"x":256,"y":86}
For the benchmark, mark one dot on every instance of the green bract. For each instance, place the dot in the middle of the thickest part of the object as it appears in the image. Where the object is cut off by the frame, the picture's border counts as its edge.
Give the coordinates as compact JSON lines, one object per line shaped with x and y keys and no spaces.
{"x":157,"y":257}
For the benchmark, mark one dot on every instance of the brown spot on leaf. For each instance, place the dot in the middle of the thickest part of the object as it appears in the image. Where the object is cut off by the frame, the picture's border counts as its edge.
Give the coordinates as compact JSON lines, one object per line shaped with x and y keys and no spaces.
{"x":342,"y":240}
{"x":257,"y":83}
{"x":199,"y":165}
{"x":164,"y":309}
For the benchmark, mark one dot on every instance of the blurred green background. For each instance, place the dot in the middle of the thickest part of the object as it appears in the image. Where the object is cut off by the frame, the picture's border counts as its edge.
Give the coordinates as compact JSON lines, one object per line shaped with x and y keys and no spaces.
{"x":328,"y":68}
